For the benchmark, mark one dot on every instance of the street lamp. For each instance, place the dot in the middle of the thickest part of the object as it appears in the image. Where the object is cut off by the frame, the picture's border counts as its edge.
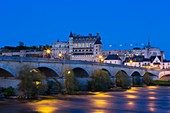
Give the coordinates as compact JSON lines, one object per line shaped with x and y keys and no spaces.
{"x":101,"y":58}
{"x":59,"y":54}
{"x":48,"y":52}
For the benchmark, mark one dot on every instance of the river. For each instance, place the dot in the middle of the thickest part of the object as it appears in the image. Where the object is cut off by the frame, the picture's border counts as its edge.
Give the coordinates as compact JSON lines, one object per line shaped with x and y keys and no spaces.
{"x":154,"y":99}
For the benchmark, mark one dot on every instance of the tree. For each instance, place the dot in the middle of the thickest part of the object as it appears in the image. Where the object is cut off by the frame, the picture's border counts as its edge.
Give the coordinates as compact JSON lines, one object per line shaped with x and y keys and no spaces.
{"x":32,"y":82}
{"x":100,"y":81}
{"x":71,"y":83}
{"x":53,"y":86}
{"x":122,"y":80}
{"x":147,"y":79}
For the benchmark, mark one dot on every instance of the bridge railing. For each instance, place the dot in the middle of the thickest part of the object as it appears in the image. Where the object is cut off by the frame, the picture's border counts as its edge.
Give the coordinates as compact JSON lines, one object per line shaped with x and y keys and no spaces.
{"x":49,"y":60}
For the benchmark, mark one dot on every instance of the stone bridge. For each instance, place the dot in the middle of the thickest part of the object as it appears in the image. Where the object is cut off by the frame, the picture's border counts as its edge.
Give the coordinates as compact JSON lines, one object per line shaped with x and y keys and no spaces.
{"x":10,"y":67}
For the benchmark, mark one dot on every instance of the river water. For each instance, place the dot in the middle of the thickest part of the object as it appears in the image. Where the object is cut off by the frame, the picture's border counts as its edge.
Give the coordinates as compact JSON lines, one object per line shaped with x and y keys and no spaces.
{"x":136,"y":100}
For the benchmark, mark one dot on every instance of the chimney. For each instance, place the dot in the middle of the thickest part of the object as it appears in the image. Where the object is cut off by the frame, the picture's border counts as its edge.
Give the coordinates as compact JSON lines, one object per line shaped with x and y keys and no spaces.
{"x":97,"y":34}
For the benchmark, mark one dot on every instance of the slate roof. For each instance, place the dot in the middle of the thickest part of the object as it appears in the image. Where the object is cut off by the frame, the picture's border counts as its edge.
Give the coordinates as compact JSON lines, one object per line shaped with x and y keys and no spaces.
{"x":152,"y":58}
{"x":98,"y":41}
{"x":113,"y":57}
{"x":166,"y":60}
{"x":89,"y":39}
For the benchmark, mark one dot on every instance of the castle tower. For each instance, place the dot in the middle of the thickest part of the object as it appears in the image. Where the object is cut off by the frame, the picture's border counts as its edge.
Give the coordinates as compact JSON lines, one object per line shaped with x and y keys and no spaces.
{"x":97,"y":46}
{"x":70,"y":43}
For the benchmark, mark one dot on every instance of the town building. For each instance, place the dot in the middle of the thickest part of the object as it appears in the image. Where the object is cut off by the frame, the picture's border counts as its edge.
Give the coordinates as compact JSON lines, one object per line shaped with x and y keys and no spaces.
{"x":154,"y":62}
{"x":147,"y":52}
{"x":113,"y":59}
{"x":60,"y":50}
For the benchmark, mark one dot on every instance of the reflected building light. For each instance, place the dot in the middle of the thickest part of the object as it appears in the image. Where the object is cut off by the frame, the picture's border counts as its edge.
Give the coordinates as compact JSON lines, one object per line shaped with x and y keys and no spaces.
{"x":99,"y":94}
{"x":152,"y":92}
{"x":152,"y":109}
{"x":100,"y":103}
{"x":152,"y":87}
{"x":131,"y":103}
{"x":45,"y":106}
{"x":98,"y":111}
{"x":131,"y":96}
{"x":152,"y":97}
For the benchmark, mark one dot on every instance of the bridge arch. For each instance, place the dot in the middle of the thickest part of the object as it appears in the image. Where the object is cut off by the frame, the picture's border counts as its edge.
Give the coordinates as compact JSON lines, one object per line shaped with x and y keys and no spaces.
{"x":6,"y":72}
{"x":49,"y":71}
{"x":106,"y":71}
{"x":137,"y":79}
{"x":82,"y":68}
{"x":121,"y":72}
{"x":80,"y":72}
{"x":153,"y":76}
{"x":135,"y":74}
{"x":164,"y":75}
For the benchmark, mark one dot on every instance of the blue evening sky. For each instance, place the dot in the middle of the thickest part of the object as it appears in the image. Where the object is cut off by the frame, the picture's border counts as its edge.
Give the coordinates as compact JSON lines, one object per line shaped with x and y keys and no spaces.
{"x":119,"y":22}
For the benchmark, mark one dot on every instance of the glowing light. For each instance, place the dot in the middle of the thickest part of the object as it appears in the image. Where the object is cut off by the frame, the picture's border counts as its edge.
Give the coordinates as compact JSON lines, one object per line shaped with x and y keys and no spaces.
{"x":68,"y":72}
{"x":60,"y":54}
{"x":48,"y":51}
{"x":131,"y":61}
{"x":100,"y":56}
{"x":37,"y":82}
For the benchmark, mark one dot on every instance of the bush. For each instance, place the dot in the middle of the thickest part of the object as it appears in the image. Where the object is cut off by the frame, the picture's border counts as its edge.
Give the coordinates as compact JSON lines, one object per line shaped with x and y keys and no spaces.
{"x":9,"y":92}
{"x":100,"y":81}
{"x":147,"y":79}
{"x":160,"y":83}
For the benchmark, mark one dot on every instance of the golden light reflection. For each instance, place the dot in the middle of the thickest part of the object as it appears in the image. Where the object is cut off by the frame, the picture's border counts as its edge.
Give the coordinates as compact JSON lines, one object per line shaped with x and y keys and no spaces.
{"x":152,"y":92}
{"x":151,"y":104}
{"x":44,"y":106}
{"x":152,"y":87}
{"x":131,"y":96}
{"x":152,"y":109}
{"x":131,"y":103}
{"x":98,"y":111}
{"x":100,"y":103}
{"x":99,"y":94}
{"x":151,"y":97}
{"x":131,"y":91}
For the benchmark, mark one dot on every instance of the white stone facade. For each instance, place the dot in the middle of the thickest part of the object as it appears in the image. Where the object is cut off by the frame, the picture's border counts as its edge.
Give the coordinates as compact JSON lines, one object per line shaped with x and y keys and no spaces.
{"x":78,"y":47}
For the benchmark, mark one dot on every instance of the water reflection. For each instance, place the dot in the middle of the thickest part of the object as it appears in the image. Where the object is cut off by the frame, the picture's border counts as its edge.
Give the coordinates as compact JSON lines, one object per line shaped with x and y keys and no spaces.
{"x":152,"y":97}
{"x":101,"y":94}
{"x":98,"y":111}
{"x":151,"y":92}
{"x":152,"y":87}
{"x":100,"y":103}
{"x":130,"y":96}
{"x":151,"y":109}
{"x":131,"y":103}
{"x":44,"y":106}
